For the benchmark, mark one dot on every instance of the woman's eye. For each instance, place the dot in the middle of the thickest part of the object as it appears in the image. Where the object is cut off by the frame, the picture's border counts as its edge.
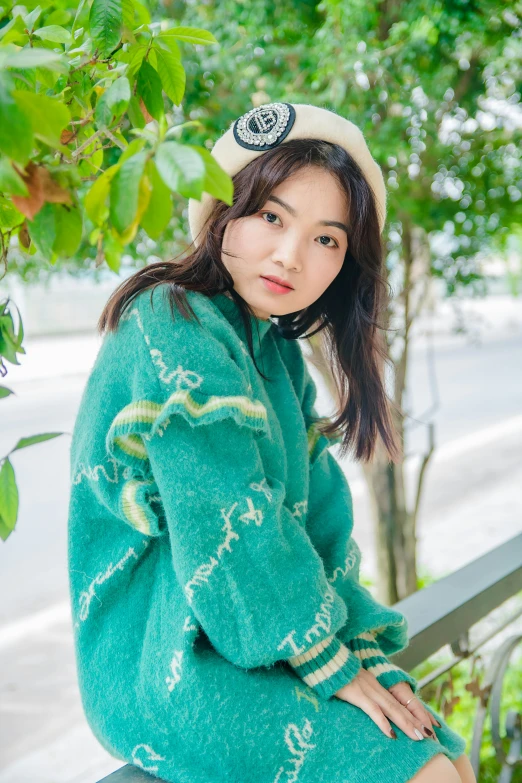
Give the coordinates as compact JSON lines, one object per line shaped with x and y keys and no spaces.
{"x":333,"y":240}
{"x":264,"y":214}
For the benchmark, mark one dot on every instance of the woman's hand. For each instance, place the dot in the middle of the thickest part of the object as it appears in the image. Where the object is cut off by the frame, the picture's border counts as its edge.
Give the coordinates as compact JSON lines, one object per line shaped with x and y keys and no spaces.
{"x":403,"y":693}
{"x":366,"y":692}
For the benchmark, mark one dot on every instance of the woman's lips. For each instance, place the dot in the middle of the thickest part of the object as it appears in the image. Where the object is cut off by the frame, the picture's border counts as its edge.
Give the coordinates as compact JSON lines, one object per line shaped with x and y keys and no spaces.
{"x":275,"y":287}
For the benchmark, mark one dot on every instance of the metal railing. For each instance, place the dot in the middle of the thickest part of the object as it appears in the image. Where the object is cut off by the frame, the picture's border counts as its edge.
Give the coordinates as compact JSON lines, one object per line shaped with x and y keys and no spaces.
{"x":443,"y":614}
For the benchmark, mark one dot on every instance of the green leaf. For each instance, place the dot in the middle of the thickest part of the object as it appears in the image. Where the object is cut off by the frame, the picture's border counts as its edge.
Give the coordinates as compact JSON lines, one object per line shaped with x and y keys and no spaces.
{"x":135,"y":146}
{"x":103,"y":113}
{"x":136,"y":55}
{"x":112,"y":250}
{"x":68,"y":228}
{"x":172,"y":75}
{"x":16,"y":133}
{"x":42,"y":230}
{"x":125,"y":190}
{"x":9,"y":215}
{"x":128,"y":14}
{"x":95,"y":200}
{"x":181,"y":168}
{"x":8,"y":347}
{"x":46,"y":77}
{"x":10,"y":181}
{"x":5,"y":392}
{"x":48,"y":116}
{"x":142,"y":12}
{"x":135,"y":114}
{"x":149,"y":88}
{"x":32,"y":439}
{"x":156,"y":217}
{"x":106,"y":22}
{"x":55,"y":33}
{"x":119,"y":95}
{"x":60,"y":16}
{"x":113,"y":102}
{"x":36,"y":58}
{"x":169,"y":43}
{"x":217,"y":182}
{"x":79,"y":11}
{"x":8,"y":332}
{"x":13,"y":31}
{"x":31,"y":19}
{"x":193,"y":35}
{"x":5,"y":532}
{"x":175,"y":130}
{"x":11,"y":342}
{"x":8,"y":498}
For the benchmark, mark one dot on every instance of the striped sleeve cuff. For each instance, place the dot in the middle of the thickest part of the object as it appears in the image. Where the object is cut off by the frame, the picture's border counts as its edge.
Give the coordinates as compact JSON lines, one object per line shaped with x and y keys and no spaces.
{"x":327,"y":666}
{"x":372,"y":658}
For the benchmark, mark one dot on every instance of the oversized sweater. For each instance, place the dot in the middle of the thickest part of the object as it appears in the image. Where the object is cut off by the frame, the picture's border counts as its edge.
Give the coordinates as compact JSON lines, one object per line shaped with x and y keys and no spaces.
{"x":210,"y":539}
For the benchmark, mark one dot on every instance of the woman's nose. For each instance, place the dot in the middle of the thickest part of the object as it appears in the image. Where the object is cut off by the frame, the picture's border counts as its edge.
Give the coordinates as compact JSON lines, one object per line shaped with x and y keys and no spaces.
{"x":288,"y":253}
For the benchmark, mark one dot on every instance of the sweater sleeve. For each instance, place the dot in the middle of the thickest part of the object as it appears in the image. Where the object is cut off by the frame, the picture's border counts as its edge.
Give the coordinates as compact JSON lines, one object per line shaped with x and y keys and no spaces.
{"x":366,"y":648}
{"x":372,"y":630}
{"x":244,"y":562}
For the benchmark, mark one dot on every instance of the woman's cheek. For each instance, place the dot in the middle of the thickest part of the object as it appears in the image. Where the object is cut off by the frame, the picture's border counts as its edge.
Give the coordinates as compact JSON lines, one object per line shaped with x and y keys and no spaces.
{"x":257,"y":234}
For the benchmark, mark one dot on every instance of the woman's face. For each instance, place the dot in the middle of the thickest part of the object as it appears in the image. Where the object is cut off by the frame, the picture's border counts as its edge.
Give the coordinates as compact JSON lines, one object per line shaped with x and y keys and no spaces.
{"x":292,"y":237}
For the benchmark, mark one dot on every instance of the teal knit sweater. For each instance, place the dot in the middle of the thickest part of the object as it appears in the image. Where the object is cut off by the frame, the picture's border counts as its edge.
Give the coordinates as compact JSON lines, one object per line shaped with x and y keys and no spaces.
{"x":210,"y":538}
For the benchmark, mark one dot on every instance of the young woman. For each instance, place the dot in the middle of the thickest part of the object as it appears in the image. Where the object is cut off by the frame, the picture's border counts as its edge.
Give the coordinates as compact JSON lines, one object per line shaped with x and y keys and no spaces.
{"x":221,"y":631}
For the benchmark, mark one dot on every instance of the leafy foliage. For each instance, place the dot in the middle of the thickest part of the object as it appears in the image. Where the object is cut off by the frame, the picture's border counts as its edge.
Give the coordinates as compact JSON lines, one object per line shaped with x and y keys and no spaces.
{"x":73,"y":89}
{"x":69,"y":91}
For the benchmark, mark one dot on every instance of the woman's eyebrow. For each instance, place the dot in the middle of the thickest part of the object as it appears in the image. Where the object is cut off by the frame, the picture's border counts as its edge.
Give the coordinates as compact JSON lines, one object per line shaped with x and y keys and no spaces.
{"x":292,"y":211}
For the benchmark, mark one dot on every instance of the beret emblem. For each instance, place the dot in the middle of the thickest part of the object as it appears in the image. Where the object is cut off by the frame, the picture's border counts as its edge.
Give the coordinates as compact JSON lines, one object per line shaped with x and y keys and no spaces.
{"x":265,"y":126}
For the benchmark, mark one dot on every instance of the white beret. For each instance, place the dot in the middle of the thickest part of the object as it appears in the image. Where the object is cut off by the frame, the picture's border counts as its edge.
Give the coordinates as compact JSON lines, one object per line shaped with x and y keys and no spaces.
{"x":267,"y":126}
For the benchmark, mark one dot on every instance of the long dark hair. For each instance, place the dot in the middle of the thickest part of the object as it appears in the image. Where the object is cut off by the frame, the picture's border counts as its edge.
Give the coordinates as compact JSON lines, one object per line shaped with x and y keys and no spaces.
{"x":348,"y":310}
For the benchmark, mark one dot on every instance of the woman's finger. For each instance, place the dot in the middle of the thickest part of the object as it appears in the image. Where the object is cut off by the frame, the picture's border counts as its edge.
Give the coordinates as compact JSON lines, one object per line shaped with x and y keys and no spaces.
{"x":418,"y":709}
{"x":377,"y":715}
{"x":409,"y":723}
{"x":414,"y":704}
{"x":399,"y":714}
{"x":423,"y":716}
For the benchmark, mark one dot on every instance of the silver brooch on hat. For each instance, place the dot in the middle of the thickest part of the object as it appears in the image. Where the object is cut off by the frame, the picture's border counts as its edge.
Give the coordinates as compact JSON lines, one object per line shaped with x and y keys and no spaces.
{"x":265,"y":126}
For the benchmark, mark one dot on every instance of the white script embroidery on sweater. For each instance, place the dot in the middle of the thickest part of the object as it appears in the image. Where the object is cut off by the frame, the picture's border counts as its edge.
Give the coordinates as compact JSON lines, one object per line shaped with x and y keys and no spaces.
{"x":323,"y":624}
{"x":87,"y":595}
{"x":175,"y":668}
{"x":350,"y":562}
{"x":187,"y":379}
{"x":133,"y":312}
{"x":262,"y":486}
{"x":203,"y":571}
{"x":308,"y":696}
{"x":93,"y":473}
{"x":296,"y":740}
{"x":147,"y":755}
{"x":253,"y":513}
{"x":300,"y":508}
{"x":189,"y":625}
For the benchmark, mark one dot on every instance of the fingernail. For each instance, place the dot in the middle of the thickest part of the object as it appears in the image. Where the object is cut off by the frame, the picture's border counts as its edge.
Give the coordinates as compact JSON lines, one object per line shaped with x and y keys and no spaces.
{"x":428,"y":731}
{"x":393,"y":734}
{"x":417,"y":732}
{"x":437,"y":723}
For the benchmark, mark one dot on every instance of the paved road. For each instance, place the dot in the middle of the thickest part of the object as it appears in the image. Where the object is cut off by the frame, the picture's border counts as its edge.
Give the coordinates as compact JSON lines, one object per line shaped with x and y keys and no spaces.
{"x":472,"y":502}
